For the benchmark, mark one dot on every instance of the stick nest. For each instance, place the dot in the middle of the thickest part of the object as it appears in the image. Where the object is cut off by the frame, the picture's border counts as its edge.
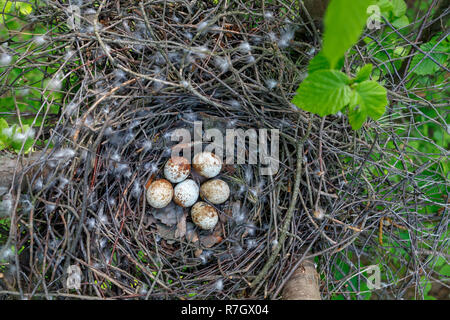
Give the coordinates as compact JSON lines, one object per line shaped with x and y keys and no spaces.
{"x":125,"y":76}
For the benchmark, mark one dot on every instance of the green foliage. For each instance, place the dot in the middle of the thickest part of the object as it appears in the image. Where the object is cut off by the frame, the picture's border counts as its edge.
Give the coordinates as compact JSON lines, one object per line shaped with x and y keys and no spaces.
{"x":13,"y":137}
{"x":427,"y":288}
{"x":7,"y":6}
{"x":319,"y":62}
{"x":104,"y":285}
{"x":443,"y":267}
{"x":343,"y":270}
{"x":421,"y":65}
{"x":344,"y":22}
{"x":326,"y":90}
{"x":364,"y":73}
{"x":24,"y":83}
{"x":394,"y":11}
{"x":390,"y":54}
{"x":368,"y":99}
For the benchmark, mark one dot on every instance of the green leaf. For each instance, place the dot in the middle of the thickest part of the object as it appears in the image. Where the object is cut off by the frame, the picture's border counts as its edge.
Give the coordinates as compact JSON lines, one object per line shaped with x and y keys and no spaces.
{"x":427,"y":289}
{"x":400,"y":51}
{"x":344,"y":22}
{"x":319,"y":62}
{"x":386,"y":7}
{"x":323,"y":92}
{"x":24,"y":8}
{"x":22,"y":136}
{"x":3,"y":137}
{"x":364,"y":73}
{"x":445,"y":270}
{"x":356,"y":118}
{"x":399,"y":8}
{"x":427,"y":66}
{"x":369,"y":99}
{"x":3,"y":124}
{"x":6,"y":132}
{"x":401,"y":22}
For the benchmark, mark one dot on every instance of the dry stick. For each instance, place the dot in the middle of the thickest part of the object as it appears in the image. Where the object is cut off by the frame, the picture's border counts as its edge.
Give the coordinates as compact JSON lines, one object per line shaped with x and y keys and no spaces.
{"x":83,"y":119}
{"x":322,"y":173}
{"x":289,"y":213}
{"x":66,"y":295}
{"x":87,"y":171}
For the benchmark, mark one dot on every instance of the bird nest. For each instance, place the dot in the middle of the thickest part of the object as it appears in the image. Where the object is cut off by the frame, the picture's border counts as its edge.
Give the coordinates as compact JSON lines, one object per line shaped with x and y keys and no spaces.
{"x":128,"y":75}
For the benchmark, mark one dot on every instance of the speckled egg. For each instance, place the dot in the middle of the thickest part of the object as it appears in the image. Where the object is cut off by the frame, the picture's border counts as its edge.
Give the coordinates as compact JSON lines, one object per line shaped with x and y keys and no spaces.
{"x":204,"y":215}
{"x":177,"y":169}
{"x":186,"y":193}
{"x":215,"y":191}
{"x":159,"y":193}
{"x":207,"y":164}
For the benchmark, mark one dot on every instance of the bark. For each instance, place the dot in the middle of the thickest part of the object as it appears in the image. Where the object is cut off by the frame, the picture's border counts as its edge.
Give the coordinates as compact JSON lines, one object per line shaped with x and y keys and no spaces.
{"x":303,"y":284}
{"x":9,"y":165}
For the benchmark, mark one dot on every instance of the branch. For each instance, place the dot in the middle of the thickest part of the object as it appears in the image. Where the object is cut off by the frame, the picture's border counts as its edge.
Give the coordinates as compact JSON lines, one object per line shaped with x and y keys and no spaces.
{"x":289,"y":213}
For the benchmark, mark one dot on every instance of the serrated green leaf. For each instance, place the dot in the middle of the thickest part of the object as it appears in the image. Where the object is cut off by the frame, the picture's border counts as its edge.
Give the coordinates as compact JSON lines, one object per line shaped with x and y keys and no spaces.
{"x":398,"y":8}
{"x":440,"y":262}
{"x":400,"y":51}
{"x":356,"y":119}
{"x":364,"y":73}
{"x":319,"y":62}
{"x":369,"y":99}
{"x":323,"y":92}
{"x":445,"y":270}
{"x":24,"y":8}
{"x":427,"y":66}
{"x":6,"y":6}
{"x":344,"y":22}
{"x":401,"y":22}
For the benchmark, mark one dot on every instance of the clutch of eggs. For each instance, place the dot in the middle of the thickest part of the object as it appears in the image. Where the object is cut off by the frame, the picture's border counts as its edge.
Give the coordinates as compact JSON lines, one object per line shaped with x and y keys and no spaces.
{"x":186,"y":192}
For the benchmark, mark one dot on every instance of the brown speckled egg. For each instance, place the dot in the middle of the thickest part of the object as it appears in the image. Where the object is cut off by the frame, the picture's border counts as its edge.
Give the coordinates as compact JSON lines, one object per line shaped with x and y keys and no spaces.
{"x":204,"y":215}
{"x":159,"y":193}
{"x":186,"y":193}
{"x":177,"y":169}
{"x":207,"y":164}
{"x":215,"y":191}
